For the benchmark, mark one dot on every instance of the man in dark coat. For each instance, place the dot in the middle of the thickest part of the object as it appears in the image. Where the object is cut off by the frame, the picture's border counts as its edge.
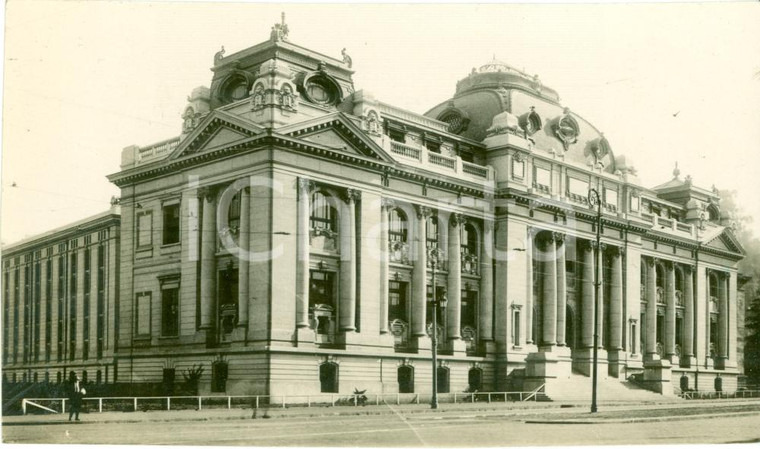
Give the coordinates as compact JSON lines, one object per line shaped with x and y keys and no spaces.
{"x":75,"y":395}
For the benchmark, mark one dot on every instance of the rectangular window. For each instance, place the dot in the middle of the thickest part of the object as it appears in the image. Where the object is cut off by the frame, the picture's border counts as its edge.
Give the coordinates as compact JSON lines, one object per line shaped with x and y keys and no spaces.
{"x":440,"y":295}
{"x":469,"y":308}
{"x":73,"y":306}
{"x":142,"y":314}
{"x":397,"y":301}
{"x":144,"y":229}
{"x":37,"y":305}
{"x":171,"y":224}
{"x":611,"y":198}
{"x":61,"y":305}
{"x":86,"y":305}
{"x":577,"y":186}
{"x":321,"y":288}
{"x":16,"y":292}
{"x":101,"y":319}
{"x":516,"y":327}
{"x":518,"y":169}
{"x":170,"y":308}
{"x":634,"y":203}
{"x":6,"y":314}
{"x":48,"y":309}
{"x":542,"y":179}
{"x":467,"y":156}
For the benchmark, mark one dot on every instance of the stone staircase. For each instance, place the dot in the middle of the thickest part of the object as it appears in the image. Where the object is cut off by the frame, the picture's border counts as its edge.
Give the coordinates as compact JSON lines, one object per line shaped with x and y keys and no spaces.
{"x":577,"y":387}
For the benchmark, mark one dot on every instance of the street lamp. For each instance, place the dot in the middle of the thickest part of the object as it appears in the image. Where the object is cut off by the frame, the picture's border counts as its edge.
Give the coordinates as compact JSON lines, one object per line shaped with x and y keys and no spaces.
{"x":595,"y":201}
{"x":435,"y":255}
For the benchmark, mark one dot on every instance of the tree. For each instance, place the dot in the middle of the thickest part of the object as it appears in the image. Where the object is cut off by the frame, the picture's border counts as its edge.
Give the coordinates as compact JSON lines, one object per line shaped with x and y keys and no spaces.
{"x":731,"y":214}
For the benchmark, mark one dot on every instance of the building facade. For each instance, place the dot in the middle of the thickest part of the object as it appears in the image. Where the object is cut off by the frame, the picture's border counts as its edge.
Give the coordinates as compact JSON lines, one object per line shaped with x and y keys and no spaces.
{"x":292,"y":237}
{"x":60,"y":302}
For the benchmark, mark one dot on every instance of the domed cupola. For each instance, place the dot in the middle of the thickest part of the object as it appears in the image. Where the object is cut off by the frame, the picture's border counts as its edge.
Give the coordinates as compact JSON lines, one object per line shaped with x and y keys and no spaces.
{"x":495,"y":74}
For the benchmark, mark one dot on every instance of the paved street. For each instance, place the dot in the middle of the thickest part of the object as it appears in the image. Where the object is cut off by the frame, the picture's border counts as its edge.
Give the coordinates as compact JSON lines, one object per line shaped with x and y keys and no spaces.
{"x":401,"y":427}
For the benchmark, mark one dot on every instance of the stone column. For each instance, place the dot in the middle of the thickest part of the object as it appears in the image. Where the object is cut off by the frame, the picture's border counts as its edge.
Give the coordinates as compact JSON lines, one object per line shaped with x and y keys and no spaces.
{"x":419,"y":274}
{"x":485,"y":311}
{"x":722,"y":346}
{"x":651,"y":313}
{"x":587,"y":290}
{"x":244,"y":235}
{"x":688,"y":325}
{"x":561,"y":288}
{"x":600,"y":269}
{"x":387,"y":205}
{"x":454,"y":309}
{"x":670,"y":310}
{"x":616,"y":301}
{"x":549,"y":299}
{"x":348,"y":263}
{"x":305,"y":186}
{"x":208,"y":258}
{"x":529,"y":337}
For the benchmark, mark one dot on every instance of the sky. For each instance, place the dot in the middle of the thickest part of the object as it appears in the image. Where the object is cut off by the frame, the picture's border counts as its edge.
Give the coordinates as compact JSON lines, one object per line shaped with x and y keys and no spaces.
{"x":82,"y":80}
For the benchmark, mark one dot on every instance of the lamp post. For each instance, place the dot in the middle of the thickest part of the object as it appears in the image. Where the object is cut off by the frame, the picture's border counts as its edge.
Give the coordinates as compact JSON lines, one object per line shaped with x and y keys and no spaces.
{"x":434,"y":255}
{"x":595,"y":201}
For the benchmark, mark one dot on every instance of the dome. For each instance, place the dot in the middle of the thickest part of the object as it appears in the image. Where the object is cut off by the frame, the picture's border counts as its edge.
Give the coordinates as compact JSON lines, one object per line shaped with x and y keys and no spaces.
{"x":498,"y":66}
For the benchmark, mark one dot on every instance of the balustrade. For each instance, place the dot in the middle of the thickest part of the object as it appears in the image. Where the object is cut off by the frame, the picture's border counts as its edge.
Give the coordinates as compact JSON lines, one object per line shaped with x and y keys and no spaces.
{"x":443,"y":161}
{"x":405,"y":150}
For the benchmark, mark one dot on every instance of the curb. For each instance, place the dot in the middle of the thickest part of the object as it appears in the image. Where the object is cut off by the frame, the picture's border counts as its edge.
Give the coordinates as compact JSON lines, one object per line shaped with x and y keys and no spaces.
{"x":638,"y":420}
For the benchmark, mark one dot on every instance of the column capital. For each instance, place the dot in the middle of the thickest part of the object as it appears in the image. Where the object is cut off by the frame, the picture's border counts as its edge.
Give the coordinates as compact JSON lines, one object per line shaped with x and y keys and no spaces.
{"x":649,"y":261}
{"x":457,"y":219}
{"x":423,"y":212}
{"x":387,"y":203}
{"x":586,"y":245}
{"x":208,"y":193}
{"x":352,"y":195}
{"x":558,"y":237}
{"x":306,"y":185}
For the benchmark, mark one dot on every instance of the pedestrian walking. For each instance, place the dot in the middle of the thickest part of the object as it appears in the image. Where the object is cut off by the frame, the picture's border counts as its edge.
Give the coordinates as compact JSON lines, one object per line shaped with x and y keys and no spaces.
{"x":76,"y":391}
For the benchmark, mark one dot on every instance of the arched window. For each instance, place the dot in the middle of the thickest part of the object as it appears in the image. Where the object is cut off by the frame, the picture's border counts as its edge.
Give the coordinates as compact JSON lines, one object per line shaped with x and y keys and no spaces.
{"x":469,"y":240}
{"x":405,"y":374}
{"x":660,"y":276}
{"x":443,"y":379}
{"x":475,"y":379}
{"x":328,"y":377}
{"x":431,"y":231}
{"x":397,"y":226}
{"x":324,"y":216}
{"x":679,"y":280}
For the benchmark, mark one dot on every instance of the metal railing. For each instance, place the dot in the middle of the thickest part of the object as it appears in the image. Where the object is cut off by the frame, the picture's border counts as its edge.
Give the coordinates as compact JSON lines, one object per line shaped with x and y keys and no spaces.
{"x":719,"y":394}
{"x":136,"y":403}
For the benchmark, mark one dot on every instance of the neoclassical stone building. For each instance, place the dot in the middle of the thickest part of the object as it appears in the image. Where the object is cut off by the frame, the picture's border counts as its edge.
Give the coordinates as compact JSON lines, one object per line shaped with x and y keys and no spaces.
{"x":288,"y":238}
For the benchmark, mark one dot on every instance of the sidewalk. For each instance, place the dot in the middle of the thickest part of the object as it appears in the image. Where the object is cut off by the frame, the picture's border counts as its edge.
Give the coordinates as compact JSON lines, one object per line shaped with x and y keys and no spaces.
{"x":545,"y":412}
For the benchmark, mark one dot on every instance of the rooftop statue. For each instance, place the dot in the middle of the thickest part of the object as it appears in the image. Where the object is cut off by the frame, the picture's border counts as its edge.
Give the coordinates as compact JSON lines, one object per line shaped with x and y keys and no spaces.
{"x":346,"y":58}
{"x":279,"y":31}
{"x":219,"y":55}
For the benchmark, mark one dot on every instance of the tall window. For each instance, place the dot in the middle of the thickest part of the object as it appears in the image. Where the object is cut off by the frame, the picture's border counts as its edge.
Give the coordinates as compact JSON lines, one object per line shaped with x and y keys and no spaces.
{"x":431,"y":230}
{"x":37,"y":304}
{"x":328,"y":377}
{"x":101,"y":319}
{"x":6,"y":314}
{"x":323,"y":215}
{"x":73,"y":306}
{"x":27,"y":312}
{"x":48,"y":308}
{"x":144,"y":229}
{"x":16,"y":326}
{"x":233,"y":213}
{"x":397,"y":226}
{"x":397,"y":300}
{"x":469,"y":240}
{"x":440,"y":294}
{"x":170,"y":308}
{"x":469,"y":308}
{"x":443,"y":379}
{"x":171,"y":224}
{"x":405,"y":376}
{"x":142,"y":314}
{"x":475,"y":379}
{"x":61,"y":305}
{"x":219,"y":373}
{"x":86,"y":305}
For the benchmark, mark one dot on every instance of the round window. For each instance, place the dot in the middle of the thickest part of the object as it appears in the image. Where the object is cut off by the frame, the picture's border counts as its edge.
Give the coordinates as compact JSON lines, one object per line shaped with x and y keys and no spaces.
{"x":239,"y":91}
{"x":318,"y":93}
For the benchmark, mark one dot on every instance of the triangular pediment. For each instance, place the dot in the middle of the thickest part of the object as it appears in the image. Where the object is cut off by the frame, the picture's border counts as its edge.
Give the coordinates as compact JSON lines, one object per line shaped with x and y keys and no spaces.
{"x":217,"y":130}
{"x":726,"y":241}
{"x":337,"y":132}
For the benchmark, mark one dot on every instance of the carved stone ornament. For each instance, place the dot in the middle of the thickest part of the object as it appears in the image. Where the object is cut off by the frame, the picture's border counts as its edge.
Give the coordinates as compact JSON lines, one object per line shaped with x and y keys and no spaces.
{"x":219,"y":55}
{"x":558,"y":237}
{"x":457,"y":220}
{"x":566,"y":129}
{"x":305,"y":184}
{"x":423,"y":211}
{"x":387,"y":203}
{"x":352,"y":195}
{"x":208,"y":193}
{"x":601,"y":149}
